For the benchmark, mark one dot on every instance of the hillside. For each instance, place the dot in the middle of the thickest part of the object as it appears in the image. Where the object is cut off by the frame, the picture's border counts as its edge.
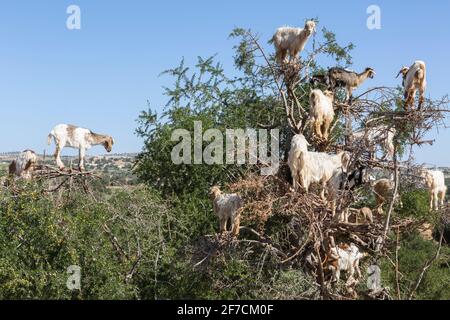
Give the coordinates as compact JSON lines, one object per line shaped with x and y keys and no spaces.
{"x":115,"y":169}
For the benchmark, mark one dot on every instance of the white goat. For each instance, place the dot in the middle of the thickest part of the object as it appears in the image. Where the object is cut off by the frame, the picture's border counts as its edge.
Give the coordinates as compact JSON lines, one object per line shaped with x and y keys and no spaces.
{"x":344,"y":258}
{"x":313,"y":167}
{"x":321,"y":113}
{"x":227,"y":207}
{"x":298,"y":145}
{"x":414,"y":79}
{"x":435,"y":181}
{"x":380,"y":135}
{"x":292,"y":41}
{"x":23,"y":166}
{"x":82,"y":139}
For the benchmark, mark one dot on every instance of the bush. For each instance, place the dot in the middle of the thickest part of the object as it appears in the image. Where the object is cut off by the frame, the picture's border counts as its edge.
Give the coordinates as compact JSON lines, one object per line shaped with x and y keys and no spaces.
{"x":39,"y":240}
{"x":413,"y":255}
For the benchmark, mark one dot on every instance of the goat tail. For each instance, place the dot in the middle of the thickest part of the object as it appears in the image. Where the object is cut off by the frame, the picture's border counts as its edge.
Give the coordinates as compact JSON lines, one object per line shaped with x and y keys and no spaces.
{"x":420,"y":74}
{"x":49,"y":139}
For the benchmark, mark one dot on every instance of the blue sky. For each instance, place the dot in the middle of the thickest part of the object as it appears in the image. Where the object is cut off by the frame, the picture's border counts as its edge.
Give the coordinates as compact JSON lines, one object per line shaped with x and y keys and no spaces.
{"x":102,"y":75}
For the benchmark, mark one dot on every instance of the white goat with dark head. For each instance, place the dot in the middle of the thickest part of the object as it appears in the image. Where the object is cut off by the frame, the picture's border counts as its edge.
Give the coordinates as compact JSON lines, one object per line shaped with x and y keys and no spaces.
{"x":414,"y":79}
{"x":82,"y":139}
{"x":321,"y":113}
{"x":292,"y":41}
{"x":23,"y":166}
{"x":227,"y":207}
{"x":342,"y":182}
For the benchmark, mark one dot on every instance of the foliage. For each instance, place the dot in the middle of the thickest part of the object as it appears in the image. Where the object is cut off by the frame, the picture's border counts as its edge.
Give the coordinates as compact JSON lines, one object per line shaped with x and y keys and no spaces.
{"x":413,"y":254}
{"x":39,"y":240}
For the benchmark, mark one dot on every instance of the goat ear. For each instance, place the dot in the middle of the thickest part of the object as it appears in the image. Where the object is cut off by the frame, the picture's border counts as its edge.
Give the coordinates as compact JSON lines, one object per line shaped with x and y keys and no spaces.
{"x":12,"y":167}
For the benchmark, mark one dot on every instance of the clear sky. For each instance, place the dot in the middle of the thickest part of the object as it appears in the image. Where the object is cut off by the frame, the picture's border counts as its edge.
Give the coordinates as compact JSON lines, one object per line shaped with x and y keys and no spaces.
{"x":101,"y":76}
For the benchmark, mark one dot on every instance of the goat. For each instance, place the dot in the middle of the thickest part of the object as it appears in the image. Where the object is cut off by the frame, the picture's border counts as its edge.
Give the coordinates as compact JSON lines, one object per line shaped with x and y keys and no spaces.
{"x":414,"y":79}
{"x":82,"y":139}
{"x":435,"y":181}
{"x":298,"y":145}
{"x":380,"y":135}
{"x":319,"y":167}
{"x":321,"y":113}
{"x":292,"y":41}
{"x":227,"y":207}
{"x":382,"y":188}
{"x":341,"y":181}
{"x":342,"y":78}
{"x":366,"y":213}
{"x":322,"y":79}
{"x":344,"y":258}
{"x":23,"y":166}
{"x":314,"y":167}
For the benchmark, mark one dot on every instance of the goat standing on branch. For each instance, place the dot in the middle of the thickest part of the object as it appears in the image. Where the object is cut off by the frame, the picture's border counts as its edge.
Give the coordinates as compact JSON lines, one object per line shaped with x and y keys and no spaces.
{"x":342,"y":78}
{"x":227,"y":207}
{"x":314,"y":167}
{"x":346,"y":258}
{"x":23,"y":166}
{"x":435,"y":182}
{"x":298,"y":145}
{"x":321,"y":112}
{"x":292,"y":41}
{"x":382,"y":188}
{"x":82,"y":139}
{"x":414,"y":78}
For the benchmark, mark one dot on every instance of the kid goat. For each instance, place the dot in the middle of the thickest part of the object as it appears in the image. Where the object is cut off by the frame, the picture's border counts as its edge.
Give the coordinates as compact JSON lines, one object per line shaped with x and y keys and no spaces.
{"x":227,"y":207}
{"x":66,"y":135}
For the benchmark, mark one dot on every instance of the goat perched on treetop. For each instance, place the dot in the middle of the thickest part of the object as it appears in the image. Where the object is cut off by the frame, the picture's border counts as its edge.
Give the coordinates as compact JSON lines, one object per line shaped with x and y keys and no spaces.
{"x":70,"y":136}
{"x":414,"y":78}
{"x":292,"y":41}
{"x":321,"y":113}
